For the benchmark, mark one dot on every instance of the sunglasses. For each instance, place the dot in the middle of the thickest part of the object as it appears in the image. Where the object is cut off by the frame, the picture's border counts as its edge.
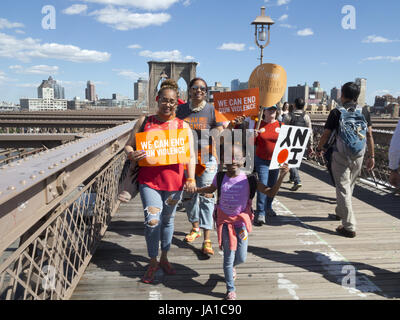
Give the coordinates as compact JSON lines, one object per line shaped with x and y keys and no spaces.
{"x":203,"y":89}
{"x":166,"y":102}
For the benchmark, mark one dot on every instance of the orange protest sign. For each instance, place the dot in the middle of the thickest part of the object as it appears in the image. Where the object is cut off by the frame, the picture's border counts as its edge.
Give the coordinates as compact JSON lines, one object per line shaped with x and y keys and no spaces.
{"x":163,"y":147}
{"x":271,"y":80}
{"x":229,"y":105}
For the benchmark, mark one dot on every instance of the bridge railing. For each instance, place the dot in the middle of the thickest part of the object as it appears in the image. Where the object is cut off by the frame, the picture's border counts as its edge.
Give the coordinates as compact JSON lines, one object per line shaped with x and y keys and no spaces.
{"x":54,"y":208}
{"x":379,"y":176}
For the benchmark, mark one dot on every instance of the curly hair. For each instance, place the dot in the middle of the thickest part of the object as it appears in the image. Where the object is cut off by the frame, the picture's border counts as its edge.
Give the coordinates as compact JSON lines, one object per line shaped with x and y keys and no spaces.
{"x":168,"y":84}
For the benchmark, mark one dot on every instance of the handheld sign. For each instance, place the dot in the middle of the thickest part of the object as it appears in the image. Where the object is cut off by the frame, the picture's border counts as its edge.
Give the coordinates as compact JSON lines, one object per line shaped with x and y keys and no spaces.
{"x":271,"y":80}
{"x":290,"y":147}
{"x":163,"y":147}
{"x":229,"y":105}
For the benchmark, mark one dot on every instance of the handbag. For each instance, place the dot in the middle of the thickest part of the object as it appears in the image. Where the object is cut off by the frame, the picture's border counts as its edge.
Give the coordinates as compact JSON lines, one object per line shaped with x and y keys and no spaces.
{"x":130,"y":184}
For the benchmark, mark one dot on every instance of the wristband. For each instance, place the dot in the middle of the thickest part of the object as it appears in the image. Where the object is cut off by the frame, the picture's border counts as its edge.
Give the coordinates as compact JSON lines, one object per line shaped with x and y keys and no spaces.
{"x":191,"y":179}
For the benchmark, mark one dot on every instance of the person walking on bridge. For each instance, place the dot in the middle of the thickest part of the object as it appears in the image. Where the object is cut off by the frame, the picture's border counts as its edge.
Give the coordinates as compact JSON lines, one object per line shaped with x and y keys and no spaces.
{"x":352,"y":128}
{"x":200,"y":115}
{"x":161,"y":187}
{"x":301,"y":119}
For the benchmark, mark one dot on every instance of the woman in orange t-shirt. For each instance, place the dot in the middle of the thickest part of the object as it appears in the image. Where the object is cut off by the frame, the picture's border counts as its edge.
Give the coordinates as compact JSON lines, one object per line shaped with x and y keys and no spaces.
{"x":266,"y":138}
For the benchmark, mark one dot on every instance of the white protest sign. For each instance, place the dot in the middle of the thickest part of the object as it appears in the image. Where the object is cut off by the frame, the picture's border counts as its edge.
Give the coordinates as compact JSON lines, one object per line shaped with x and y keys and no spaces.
{"x":290,"y":147}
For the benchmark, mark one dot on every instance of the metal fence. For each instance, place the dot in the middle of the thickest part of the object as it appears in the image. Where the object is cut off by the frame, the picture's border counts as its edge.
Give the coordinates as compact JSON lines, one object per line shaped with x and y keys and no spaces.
{"x":67,"y":214}
{"x":379,"y":176}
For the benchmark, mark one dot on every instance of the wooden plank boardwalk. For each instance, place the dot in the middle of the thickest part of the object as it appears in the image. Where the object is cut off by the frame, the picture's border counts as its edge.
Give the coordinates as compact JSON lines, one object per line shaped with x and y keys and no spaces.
{"x":297,"y":255}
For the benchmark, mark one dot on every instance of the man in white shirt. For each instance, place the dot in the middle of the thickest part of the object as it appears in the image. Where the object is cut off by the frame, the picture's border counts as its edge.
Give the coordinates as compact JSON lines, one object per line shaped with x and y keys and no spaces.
{"x":394,"y":158}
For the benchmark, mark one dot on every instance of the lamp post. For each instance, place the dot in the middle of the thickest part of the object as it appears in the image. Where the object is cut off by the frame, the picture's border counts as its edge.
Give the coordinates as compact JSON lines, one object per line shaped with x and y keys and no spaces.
{"x":260,"y":30}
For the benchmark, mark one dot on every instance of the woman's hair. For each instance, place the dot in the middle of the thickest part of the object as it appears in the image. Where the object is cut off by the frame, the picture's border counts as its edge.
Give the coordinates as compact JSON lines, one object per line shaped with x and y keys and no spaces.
{"x":285,"y":106}
{"x":197,"y":79}
{"x":168,"y":84}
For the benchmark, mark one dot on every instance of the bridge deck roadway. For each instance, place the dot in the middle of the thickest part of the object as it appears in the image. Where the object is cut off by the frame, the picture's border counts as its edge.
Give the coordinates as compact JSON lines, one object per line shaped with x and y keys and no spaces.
{"x":298,"y":255}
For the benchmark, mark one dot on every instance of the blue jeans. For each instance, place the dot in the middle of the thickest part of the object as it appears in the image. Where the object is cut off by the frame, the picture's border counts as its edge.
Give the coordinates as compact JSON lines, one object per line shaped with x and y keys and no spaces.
{"x":199,"y":208}
{"x":295,"y":174}
{"x":166,"y":203}
{"x":268,"y":178}
{"x":233,"y":258}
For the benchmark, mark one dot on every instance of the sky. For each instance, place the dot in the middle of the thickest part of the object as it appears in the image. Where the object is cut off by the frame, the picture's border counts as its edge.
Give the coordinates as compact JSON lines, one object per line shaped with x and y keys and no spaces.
{"x":110,"y":42}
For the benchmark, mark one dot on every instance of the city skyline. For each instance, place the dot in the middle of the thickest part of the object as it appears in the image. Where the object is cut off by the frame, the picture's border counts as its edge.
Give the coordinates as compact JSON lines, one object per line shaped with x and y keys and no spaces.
{"x":111,"y":44}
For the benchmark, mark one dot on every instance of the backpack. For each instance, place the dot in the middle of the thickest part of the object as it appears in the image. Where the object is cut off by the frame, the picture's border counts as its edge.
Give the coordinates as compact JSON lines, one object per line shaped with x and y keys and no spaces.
{"x":352,"y":133}
{"x":298,"y":119}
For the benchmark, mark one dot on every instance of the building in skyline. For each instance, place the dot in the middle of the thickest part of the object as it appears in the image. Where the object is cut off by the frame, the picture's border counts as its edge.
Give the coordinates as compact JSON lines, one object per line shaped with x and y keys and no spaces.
{"x":335,"y":94}
{"x":141,"y":90}
{"x":362,"y":82}
{"x":298,"y":91}
{"x":237,"y":85}
{"x":90,"y":92}
{"x":45,"y":101}
{"x":385,"y":100}
{"x":59,"y":92}
{"x":216,"y":88}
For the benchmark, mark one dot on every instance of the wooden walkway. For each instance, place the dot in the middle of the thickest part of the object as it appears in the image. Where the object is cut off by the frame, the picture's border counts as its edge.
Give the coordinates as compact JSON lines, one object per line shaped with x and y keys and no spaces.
{"x":298,"y":255}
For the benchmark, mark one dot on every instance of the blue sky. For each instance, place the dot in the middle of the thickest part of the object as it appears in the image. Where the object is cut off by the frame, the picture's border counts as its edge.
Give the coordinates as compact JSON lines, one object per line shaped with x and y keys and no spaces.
{"x":110,"y":41}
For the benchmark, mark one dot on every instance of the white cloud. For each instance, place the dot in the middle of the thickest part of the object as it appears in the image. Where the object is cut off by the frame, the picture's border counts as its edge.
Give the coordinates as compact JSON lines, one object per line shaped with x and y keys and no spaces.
{"x":174,"y":55}
{"x":389,"y":58}
{"x":25,"y":49}
{"x":187,"y":3}
{"x":377,"y":39}
{"x":39,"y":69}
{"x":5,"y":24}
{"x":305,"y":32}
{"x":19,"y":31}
{"x":135,"y":46}
{"x":122,"y":19}
{"x":282,"y":2}
{"x":283,"y":17}
{"x":131,"y":75}
{"x":289,"y":26}
{"x":141,"y":4}
{"x":252,"y":48}
{"x":232,"y":46}
{"x":75,"y":9}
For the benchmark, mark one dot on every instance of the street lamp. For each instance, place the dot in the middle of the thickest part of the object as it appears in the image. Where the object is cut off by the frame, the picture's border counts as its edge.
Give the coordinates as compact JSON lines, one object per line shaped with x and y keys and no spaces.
{"x":260,"y":25}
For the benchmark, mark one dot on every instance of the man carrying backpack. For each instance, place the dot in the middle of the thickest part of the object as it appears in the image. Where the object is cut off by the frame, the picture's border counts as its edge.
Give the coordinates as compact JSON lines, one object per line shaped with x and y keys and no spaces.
{"x":351,"y":125}
{"x":298,"y":118}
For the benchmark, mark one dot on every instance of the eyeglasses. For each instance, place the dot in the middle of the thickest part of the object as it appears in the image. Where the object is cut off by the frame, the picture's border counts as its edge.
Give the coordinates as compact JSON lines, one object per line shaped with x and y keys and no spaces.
{"x":166,"y":101}
{"x":203,"y":89}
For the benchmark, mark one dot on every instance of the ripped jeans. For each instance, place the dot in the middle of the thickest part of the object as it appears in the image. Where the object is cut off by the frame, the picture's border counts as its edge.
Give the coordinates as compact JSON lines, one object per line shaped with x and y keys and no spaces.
{"x":199,"y":208}
{"x":160,"y":206}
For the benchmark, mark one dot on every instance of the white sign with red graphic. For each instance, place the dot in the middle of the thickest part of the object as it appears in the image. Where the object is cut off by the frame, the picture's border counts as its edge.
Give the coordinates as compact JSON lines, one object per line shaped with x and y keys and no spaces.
{"x":290,"y":147}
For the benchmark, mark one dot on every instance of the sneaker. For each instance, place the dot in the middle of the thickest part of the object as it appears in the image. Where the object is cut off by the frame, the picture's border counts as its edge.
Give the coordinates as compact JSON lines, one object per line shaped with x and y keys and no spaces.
{"x":230,"y":295}
{"x":207,"y":247}
{"x":289,"y":181}
{"x":296,"y":187}
{"x":259,"y":220}
{"x":346,"y":233}
{"x":150,"y":274}
{"x":193,"y":235}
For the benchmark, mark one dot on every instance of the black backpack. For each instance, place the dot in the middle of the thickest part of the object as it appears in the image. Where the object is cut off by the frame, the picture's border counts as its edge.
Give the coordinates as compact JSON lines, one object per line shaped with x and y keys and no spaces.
{"x":298,"y":119}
